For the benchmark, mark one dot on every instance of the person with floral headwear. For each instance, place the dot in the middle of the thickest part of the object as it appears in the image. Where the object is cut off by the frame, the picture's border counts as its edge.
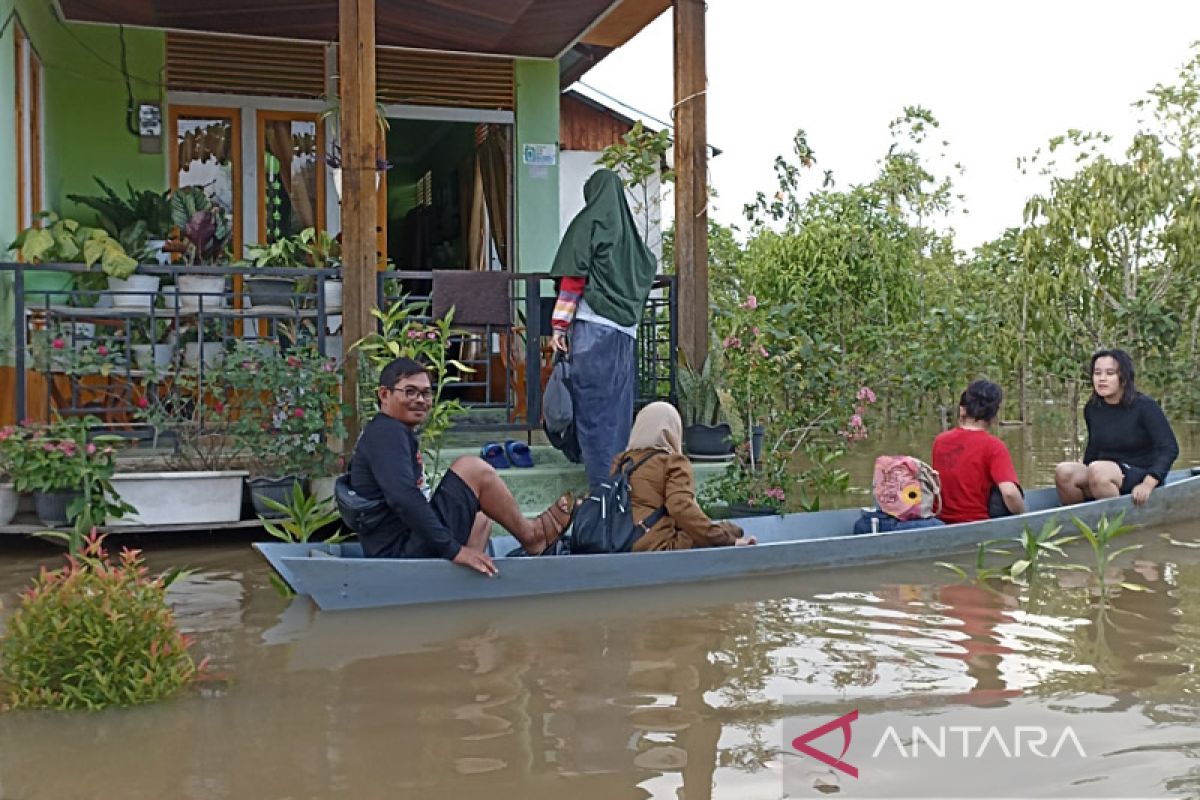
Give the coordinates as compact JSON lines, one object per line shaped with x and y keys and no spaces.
{"x":605,"y":272}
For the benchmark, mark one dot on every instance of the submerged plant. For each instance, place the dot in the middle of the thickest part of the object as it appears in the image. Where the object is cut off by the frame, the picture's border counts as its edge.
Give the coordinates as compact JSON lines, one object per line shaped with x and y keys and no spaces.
{"x":1100,"y":539}
{"x":95,"y":634}
{"x":302,"y":517}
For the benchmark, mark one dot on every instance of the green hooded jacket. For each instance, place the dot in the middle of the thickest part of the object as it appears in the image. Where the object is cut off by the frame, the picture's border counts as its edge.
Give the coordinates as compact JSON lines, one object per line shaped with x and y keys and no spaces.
{"x":603,"y":245}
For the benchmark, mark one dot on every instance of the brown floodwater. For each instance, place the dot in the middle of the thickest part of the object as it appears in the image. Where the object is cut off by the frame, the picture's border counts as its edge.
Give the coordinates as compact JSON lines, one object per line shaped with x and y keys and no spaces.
{"x":683,"y":692}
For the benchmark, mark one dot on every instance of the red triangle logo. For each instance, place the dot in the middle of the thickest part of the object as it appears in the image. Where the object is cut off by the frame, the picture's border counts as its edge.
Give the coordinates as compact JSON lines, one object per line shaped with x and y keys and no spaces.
{"x":801,"y":743}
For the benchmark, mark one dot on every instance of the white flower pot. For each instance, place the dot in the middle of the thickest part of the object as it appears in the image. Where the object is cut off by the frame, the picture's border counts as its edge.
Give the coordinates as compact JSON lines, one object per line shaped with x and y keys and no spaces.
{"x":180,"y":498}
{"x":155,"y":246}
{"x":146,"y":356}
{"x":333,"y":296}
{"x":144,"y":286}
{"x":9,"y":500}
{"x":192,"y":287}
{"x":213,"y":351}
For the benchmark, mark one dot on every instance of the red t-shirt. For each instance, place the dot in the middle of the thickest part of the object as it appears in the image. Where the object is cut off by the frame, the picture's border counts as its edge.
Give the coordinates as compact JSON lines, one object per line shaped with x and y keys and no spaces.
{"x":970,"y":463}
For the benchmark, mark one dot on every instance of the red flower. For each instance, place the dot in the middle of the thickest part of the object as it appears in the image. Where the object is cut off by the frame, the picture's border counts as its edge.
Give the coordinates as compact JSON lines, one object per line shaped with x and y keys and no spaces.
{"x":292,"y":361}
{"x":219,"y":407}
{"x":58,"y":344}
{"x":102,"y":350}
{"x":142,"y":402}
{"x":298,"y":413}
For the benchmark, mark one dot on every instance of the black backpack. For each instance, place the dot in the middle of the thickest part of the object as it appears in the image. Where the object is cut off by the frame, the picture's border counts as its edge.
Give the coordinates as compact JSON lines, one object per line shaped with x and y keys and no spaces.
{"x":604,"y":522}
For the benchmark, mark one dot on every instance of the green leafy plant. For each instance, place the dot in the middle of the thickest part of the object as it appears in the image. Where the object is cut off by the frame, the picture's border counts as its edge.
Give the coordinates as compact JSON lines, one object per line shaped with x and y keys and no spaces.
{"x":284,"y":409}
{"x":201,"y":230}
{"x":287,"y":251}
{"x":322,"y":249}
{"x":52,"y":240}
{"x":406,"y":331}
{"x":1032,"y":548}
{"x":762,"y":485}
{"x":62,"y":457}
{"x":302,"y":517}
{"x":94,"y":634}
{"x":1100,"y":539}
{"x":117,"y":214}
{"x":699,"y":397}
{"x":638,"y":158}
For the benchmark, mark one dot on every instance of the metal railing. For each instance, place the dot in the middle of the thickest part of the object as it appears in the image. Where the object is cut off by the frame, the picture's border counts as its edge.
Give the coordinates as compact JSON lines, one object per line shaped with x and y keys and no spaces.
{"x":114,"y":332}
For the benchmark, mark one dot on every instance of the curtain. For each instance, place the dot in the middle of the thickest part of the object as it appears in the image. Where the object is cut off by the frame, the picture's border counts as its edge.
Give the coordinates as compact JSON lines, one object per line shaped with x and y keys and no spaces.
{"x":282,"y":145}
{"x":476,"y":221}
{"x":495,"y":166}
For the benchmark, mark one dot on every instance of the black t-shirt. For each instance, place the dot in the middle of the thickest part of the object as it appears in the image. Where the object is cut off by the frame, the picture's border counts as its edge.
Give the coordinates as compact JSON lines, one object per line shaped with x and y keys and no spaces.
{"x":1138,"y":434}
{"x":387,"y":466}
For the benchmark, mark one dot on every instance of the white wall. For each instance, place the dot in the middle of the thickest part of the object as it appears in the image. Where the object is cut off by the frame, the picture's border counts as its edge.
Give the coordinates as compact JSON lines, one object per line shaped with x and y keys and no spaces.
{"x":575,"y":167}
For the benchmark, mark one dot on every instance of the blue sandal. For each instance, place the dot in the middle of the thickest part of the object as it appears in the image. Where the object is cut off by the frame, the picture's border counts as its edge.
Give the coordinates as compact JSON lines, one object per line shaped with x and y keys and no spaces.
{"x":518,"y":454}
{"x":493,"y":454}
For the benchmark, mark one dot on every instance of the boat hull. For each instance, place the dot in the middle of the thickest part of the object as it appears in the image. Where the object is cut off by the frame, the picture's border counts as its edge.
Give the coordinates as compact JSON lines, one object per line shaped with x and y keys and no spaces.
{"x":338,"y":577}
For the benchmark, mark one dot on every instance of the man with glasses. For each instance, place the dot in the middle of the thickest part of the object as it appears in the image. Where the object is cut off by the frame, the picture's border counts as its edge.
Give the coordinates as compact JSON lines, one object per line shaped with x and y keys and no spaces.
{"x":456,"y":521}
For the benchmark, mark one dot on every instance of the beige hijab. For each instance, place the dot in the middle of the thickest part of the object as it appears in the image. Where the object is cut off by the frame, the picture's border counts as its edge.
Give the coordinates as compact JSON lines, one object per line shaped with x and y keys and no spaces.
{"x":657,"y":427}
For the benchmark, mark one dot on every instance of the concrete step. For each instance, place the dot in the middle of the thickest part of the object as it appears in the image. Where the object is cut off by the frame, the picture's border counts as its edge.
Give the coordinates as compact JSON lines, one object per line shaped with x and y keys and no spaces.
{"x":538,"y":486}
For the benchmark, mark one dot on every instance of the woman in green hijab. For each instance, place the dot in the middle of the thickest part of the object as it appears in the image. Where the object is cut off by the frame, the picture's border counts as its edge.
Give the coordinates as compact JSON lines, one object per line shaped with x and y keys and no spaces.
{"x":605,"y":272}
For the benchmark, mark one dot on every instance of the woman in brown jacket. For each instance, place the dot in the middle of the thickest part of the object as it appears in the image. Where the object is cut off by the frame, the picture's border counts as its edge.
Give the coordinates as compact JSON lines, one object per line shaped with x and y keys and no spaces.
{"x":667,"y":480}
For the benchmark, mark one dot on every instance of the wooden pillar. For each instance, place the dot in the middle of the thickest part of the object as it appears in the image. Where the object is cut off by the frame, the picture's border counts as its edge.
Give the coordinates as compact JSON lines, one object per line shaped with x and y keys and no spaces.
{"x":359,"y":132}
{"x":691,"y":179}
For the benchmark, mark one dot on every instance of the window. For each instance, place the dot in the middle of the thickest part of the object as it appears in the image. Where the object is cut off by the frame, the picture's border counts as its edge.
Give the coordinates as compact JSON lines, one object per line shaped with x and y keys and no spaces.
{"x":206,"y":153}
{"x":291,"y":177}
{"x":29,"y":129}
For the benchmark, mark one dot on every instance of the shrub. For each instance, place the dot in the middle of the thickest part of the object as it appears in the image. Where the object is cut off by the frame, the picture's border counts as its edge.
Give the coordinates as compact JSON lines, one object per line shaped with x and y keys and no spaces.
{"x":94,"y":634}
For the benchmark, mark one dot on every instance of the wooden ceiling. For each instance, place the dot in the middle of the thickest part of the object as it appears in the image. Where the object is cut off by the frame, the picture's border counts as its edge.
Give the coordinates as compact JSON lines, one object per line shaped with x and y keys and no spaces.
{"x":530,"y":28}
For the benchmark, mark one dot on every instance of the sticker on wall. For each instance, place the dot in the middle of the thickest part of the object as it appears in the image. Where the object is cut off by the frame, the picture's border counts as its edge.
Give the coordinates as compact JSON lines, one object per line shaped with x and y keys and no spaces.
{"x":540,"y":155}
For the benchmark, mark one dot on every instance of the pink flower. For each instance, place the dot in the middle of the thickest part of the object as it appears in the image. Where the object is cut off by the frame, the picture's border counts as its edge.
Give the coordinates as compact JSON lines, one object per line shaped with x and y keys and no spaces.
{"x":48,"y":447}
{"x":68,"y":448}
{"x":751,"y":303}
{"x":866,"y":394}
{"x":329,"y":366}
{"x":142,"y":402}
{"x":756,"y":331}
{"x":731,"y":341}
{"x":292,"y":361}
{"x":431,"y":335}
{"x":7,"y":431}
{"x":58,"y":344}
{"x":102,"y":350}
{"x":763,"y":352}
{"x":91,"y":449}
{"x":414,"y":334}
{"x":298,"y":413}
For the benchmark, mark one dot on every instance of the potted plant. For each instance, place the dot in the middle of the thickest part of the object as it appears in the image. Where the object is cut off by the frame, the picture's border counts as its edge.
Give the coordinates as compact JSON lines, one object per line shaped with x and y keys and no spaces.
{"x":202,"y":342}
{"x":68,"y":471}
{"x":749,"y":487}
{"x":704,"y":434}
{"x":53,"y":240}
{"x":150,"y":343}
{"x":323,"y":251}
{"x":274,"y":291}
{"x":9,"y":497}
{"x":202,"y":482}
{"x":285,"y":409}
{"x":141,"y":222}
{"x":200,"y":235}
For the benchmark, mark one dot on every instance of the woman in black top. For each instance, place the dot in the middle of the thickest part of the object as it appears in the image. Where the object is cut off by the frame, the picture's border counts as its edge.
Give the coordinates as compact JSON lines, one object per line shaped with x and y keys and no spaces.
{"x":1130,"y":445}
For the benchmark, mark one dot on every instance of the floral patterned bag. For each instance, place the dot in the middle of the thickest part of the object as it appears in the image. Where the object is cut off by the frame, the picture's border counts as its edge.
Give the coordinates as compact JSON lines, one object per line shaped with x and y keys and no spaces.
{"x":906,"y":488}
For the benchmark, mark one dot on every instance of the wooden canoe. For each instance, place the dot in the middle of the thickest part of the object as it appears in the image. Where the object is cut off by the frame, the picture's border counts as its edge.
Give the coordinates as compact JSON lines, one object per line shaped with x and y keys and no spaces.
{"x":337,"y":576}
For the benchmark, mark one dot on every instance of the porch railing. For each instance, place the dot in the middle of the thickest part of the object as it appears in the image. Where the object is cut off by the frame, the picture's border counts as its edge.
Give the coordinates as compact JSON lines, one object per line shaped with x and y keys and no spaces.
{"x":501,"y":393}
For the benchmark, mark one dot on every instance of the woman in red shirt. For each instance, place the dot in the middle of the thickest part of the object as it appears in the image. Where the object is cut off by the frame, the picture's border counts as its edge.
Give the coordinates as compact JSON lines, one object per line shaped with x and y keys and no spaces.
{"x":974,"y":465}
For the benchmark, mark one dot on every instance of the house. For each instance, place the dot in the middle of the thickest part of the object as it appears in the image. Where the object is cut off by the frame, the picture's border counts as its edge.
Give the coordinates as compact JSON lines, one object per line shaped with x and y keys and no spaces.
{"x":235,"y":97}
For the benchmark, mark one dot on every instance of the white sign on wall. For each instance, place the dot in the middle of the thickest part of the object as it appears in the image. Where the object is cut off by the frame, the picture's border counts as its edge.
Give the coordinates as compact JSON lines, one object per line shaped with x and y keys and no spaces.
{"x":540,"y":155}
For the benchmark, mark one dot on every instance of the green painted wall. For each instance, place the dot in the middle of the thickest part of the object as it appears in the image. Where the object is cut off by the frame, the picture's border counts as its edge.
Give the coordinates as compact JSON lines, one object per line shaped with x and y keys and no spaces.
{"x":83,"y":124}
{"x":536,"y":187}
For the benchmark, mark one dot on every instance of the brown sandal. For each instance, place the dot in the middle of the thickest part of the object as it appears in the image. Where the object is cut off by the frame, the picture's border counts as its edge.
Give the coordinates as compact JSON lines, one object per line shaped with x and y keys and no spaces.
{"x":554,"y":520}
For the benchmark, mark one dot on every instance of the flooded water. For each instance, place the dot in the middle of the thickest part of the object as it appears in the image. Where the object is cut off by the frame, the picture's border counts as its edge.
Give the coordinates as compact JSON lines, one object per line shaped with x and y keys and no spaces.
{"x":684,"y":692}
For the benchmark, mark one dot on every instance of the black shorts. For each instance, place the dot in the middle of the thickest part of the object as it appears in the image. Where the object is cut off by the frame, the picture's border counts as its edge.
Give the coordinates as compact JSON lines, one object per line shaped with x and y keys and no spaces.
{"x":456,"y":505}
{"x":1133,"y":476}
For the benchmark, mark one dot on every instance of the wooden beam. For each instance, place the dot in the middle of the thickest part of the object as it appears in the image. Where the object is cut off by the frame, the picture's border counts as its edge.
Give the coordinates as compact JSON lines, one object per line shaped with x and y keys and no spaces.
{"x":359,"y":137}
{"x":691,"y":180}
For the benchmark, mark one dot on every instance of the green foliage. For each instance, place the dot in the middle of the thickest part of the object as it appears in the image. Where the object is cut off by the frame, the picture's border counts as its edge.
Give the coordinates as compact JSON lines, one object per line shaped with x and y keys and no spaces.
{"x":405,"y":330}
{"x":63,"y":457}
{"x":281,"y":408}
{"x":64,"y":241}
{"x":117,"y":214}
{"x":284,"y":252}
{"x":699,"y":401}
{"x":638,"y":158}
{"x":94,"y":634}
{"x":1100,"y":540}
{"x":202,"y":232}
{"x":302,"y":517}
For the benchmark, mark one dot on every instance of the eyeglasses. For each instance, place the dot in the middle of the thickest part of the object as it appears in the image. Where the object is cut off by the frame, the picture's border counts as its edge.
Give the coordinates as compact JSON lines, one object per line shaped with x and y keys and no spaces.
{"x":412,"y":393}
